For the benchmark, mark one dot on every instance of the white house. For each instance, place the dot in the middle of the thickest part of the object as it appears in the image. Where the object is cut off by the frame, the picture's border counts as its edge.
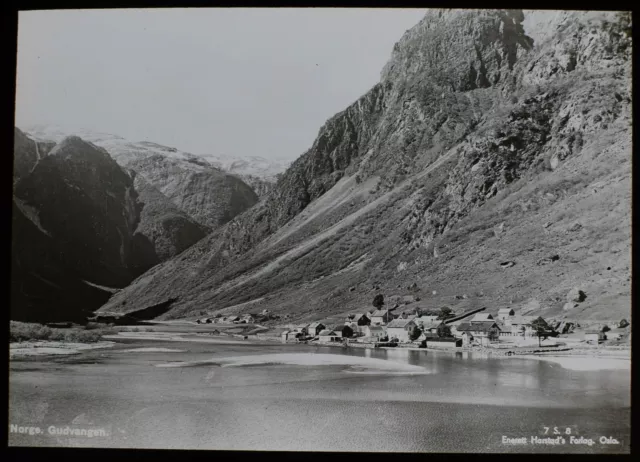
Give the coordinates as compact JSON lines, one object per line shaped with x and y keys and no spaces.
{"x":400,"y":329}
{"x":427,"y":319}
{"x":327,"y":335}
{"x":315,"y":328}
{"x":429,"y":327}
{"x":519,"y":326}
{"x":374,"y":332}
{"x":482,"y":332}
{"x":482,"y":317}
{"x":594,"y":336}
{"x":381,"y":317}
{"x":505,"y":313}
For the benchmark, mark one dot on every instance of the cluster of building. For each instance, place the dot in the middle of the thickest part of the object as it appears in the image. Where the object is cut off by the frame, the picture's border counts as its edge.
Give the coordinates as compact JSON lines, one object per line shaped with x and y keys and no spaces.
{"x":471,"y":328}
{"x":474,"y":327}
{"x":249,"y":318}
{"x":372,"y":327}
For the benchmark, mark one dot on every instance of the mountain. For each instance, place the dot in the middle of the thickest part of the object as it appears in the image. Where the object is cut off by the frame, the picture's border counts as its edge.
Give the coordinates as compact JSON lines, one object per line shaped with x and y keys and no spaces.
{"x":259,"y":173}
{"x":83,"y":221}
{"x":488,"y":167}
{"x":43,"y":288}
{"x":27,"y":153}
{"x":255,"y":166}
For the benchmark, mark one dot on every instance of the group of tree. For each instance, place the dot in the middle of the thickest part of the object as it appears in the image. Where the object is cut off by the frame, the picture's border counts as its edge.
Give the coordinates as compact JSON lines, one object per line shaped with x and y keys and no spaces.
{"x":415,"y":333}
{"x":378,"y":301}
{"x":445,"y":313}
{"x":541,"y":328}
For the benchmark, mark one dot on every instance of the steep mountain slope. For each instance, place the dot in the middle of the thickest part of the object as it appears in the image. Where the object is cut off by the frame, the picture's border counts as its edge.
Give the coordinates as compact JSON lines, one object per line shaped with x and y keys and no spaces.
{"x":88,"y":203}
{"x":43,"y":288}
{"x":206,"y":194}
{"x":469,"y":169}
{"x":79,"y":216}
{"x":168,"y":228}
{"x":257,"y":172}
{"x":26,"y":153}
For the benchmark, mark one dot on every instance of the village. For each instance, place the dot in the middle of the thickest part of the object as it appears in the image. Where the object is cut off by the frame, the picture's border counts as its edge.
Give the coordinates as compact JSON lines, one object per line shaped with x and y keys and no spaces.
{"x":506,"y":332}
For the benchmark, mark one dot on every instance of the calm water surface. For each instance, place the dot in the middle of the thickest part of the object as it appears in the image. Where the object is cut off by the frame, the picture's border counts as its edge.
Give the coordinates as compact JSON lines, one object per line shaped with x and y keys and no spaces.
{"x":287,"y":397}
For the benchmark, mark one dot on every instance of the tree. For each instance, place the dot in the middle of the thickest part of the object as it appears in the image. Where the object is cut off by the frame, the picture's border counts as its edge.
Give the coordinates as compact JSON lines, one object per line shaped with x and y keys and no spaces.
{"x":415,"y":333}
{"x":378,"y":301}
{"x":541,"y":328}
{"x":443,"y":330}
{"x":624,"y":323}
{"x":445,"y":313}
{"x":347,"y":332}
{"x":606,"y":328}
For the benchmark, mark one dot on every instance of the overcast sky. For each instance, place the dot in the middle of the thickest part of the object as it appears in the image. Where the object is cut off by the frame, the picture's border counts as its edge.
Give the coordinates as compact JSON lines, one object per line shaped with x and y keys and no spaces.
{"x":208,"y":81}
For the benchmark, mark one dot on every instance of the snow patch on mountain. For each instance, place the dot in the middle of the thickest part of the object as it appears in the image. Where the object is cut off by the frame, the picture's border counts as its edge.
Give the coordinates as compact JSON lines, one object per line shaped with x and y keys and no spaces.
{"x":125,"y":151}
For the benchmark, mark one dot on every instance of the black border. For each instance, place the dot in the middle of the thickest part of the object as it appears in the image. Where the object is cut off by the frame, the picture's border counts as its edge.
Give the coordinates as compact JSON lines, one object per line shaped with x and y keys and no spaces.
{"x":9,"y":49}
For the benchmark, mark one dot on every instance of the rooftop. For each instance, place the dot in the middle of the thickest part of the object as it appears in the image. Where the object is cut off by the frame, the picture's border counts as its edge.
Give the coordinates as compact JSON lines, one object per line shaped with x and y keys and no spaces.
{"x":427,"y":317}
{"x":376,"y":329}
{"x":379,"y":313}
{"x":481,"y":317}
{"x":482,"y":326}
{"x":327,"y":332}
{"x":401,"y":323}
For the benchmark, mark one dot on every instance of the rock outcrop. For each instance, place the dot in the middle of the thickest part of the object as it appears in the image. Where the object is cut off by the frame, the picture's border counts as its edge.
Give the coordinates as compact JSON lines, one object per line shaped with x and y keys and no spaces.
{"x":91,"y":225}
{"x":208,"y":195}
{"x":168,"y":229}
{"x":474,"y":124}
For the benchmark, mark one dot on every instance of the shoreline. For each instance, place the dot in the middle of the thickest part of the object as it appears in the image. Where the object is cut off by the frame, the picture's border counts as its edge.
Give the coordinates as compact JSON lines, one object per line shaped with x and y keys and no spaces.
{"x":53,"y":347}
{"x":584,"y":363}
{"x":618,"y":358}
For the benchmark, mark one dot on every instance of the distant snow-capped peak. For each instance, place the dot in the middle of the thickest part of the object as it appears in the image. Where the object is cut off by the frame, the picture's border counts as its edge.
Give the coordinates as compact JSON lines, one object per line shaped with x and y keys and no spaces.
{"x":124,"y":151}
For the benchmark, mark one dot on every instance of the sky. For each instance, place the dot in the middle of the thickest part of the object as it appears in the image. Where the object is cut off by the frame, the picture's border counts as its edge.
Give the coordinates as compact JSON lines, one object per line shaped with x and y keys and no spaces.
{"x":235,"y":82}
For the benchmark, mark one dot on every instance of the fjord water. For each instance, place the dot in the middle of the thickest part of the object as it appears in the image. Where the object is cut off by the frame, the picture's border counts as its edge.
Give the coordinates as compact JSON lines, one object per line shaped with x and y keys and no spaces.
{"x":285,"y":397}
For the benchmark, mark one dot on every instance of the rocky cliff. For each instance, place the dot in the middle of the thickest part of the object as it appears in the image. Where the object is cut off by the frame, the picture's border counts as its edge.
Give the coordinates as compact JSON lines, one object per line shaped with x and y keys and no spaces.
{"x":487,"y":162}
{"x":79,"y":216}
{"x":43,"y":288}
{"x":206,"y":194}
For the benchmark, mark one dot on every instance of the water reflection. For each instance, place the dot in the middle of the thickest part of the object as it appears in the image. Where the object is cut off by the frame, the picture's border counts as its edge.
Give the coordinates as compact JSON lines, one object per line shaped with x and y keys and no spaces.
{"x":319,"y":407}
